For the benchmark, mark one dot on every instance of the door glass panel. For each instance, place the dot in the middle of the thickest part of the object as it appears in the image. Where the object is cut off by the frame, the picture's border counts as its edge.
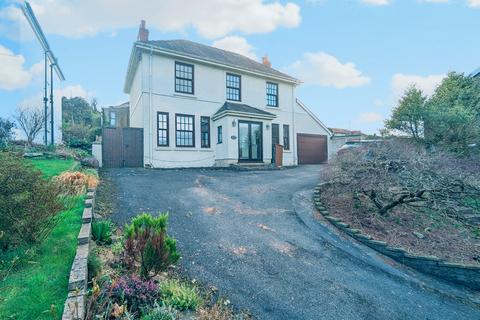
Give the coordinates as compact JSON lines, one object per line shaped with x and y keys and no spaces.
{"x":256,"y":140}
{"x":243,"y":141}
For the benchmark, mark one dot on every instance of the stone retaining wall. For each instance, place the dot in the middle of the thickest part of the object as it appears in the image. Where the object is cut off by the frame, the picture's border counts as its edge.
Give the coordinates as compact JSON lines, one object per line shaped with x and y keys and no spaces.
{"x":74,"y":308}
{"x":467,"y":275}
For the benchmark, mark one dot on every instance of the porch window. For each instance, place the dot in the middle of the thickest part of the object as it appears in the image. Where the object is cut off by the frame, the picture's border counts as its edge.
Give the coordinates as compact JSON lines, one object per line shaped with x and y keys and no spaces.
{"x":233,"y":87}
{"x":205,"y":132}
{"x":183,"y":77}
{"x":162,"y":129}
{"x":219,"y":134}
{"x":272,"y":94}
{"x":185,"y":130}
{"x":286,"y":137}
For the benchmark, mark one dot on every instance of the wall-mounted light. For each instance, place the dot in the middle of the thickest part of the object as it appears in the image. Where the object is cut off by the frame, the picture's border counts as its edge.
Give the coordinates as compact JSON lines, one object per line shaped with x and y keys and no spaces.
{"x":267,"y":126}
{"x":234,"y":123}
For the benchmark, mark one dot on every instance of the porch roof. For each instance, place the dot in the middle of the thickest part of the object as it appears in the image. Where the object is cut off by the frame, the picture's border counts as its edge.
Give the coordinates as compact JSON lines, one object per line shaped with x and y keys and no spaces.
{"x":240,"y":109}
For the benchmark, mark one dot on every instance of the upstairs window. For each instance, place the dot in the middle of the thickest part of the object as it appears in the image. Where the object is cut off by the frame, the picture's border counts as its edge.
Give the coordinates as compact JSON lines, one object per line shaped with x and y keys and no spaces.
{"x":233,"y":87}
{"x":205,"y":132}
{"x":185,"y":130}
{"x":162,"y":129}
{"x":286,"y":137}
{"x":272,"y":94}
{"x":183,"y":77}
{"x":113,"y":118}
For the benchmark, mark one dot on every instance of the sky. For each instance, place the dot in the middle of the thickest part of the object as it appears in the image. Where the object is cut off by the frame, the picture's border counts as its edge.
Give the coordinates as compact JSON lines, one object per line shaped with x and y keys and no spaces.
{"x":355,"y":57}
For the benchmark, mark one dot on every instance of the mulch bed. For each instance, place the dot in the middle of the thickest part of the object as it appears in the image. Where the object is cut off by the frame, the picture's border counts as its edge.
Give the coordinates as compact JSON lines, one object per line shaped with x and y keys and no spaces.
{"x":425,"y":233}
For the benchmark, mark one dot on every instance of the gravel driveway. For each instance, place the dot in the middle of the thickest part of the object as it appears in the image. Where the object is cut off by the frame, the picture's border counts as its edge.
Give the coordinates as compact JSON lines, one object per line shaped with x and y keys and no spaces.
{"x":252,"y":235}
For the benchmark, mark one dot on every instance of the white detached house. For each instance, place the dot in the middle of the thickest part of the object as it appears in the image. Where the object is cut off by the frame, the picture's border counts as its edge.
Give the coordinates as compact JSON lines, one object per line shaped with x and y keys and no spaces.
{"x":200,"y":106}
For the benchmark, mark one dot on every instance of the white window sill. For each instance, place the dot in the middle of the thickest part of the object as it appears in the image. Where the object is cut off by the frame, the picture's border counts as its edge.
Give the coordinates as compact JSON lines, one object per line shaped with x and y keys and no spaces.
{"x":273,"y":108}
{"x":185,"y":95}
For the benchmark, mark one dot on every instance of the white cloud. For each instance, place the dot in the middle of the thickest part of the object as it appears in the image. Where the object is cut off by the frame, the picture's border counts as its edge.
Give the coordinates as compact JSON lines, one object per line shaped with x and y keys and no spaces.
{"x":428,"y":84}
{"x":210,"y":18}
{"x":323,"y":69}
{"x":236,"y":44}
{"x":13,"y":74}
{"x":376,"y":2}
{"x":370,"y":117}
{"x":474,"y":3}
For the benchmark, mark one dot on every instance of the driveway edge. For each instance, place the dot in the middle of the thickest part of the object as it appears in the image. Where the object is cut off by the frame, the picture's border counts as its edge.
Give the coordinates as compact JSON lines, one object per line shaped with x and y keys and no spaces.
{"x":466,"y":275}
{"x":74,"y":307}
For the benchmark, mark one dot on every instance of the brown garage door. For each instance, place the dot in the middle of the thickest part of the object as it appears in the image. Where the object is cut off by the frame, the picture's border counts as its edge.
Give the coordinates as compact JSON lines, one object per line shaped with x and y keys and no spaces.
{"x":122,"y":147}
{"x":312,"y":148}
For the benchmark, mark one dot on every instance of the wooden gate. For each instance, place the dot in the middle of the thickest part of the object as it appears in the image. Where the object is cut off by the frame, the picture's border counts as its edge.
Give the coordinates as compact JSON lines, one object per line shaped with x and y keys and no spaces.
{"x":122,"y":147}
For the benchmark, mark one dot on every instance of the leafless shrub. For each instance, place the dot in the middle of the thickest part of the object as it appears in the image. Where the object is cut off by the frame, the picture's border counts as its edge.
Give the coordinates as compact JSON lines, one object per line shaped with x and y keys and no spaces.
{"x":398,"y":173}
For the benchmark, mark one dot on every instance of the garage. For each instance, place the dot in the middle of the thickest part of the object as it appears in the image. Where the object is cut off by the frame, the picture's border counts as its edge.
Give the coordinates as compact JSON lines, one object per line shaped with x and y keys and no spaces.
{"x":312,"y":148}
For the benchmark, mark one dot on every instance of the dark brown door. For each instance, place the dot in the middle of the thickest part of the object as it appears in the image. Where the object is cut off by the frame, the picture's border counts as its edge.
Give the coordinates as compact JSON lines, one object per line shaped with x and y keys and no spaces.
{"x":312,"y":148}
{"x":122,"y":147}
{"x":132,"y":147}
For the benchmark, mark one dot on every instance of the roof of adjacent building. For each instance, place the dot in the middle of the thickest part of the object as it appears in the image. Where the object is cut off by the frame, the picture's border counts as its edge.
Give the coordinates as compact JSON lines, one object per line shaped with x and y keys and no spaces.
{"x":123,"y":105}
{"x":201,"y":51}
{"x":346,"y":132}
{"x":476,"y":73}
{"x":242,"y":108}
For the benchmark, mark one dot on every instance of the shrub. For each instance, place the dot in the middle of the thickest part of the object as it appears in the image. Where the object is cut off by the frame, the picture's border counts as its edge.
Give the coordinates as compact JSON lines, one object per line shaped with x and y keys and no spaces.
{"x":161,"y":312}
{"x":76,"y":183}
{"x":146,"y":241}
{"x":28,"y":203}
{"x":179,"y":295}
{"x":102,"y":231}
{"x":94,"y":266}
{"x":135,"y":292}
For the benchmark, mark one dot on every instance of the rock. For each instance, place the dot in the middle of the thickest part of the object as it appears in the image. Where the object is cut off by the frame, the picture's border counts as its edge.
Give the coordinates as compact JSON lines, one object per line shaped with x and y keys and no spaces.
{"x":90,"y":162}
{"x":418,"y":235}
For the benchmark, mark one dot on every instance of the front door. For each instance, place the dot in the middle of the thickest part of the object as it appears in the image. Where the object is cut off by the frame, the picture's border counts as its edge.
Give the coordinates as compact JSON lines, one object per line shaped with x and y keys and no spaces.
{"x":250,"y":141}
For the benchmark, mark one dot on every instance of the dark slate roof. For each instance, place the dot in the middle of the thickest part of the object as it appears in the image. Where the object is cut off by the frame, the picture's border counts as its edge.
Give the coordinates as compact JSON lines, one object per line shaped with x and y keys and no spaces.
{"x":201,"y":51}
{"x":239,"y":107}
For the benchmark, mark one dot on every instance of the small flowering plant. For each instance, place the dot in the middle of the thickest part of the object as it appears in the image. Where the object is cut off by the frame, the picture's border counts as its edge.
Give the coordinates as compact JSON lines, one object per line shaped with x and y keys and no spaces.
{"x":136,"y":293}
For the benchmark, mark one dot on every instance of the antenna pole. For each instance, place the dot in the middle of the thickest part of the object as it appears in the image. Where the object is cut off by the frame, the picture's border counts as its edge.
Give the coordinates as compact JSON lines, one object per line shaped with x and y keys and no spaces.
{"x":52,"y":141}
{"x":45,"y":100}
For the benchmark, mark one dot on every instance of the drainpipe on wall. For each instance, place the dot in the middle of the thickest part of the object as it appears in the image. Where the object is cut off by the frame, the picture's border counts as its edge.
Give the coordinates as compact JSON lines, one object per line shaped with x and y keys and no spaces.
{"x":294,"y":132}
{"x":150,"y":137}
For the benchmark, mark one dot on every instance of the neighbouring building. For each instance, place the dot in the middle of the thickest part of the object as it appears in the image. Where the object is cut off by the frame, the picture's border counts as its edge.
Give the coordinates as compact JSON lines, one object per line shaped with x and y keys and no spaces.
{"x":341,"y":136}
{"x":117,"y":116}
{"x":202,"y":106}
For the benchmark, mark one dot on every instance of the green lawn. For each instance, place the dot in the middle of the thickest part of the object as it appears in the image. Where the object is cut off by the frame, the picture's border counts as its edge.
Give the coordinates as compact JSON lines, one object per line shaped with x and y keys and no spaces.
{"x":41,"y":281}
{"x":52,"y":167}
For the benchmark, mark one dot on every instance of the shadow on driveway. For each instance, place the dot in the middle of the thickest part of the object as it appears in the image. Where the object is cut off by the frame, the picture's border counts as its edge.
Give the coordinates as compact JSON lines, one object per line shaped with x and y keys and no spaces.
{"x":251,"y":234}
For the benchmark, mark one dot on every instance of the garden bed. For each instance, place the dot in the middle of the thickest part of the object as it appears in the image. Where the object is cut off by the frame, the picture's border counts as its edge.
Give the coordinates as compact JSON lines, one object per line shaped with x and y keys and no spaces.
{"x":419,"y":233}
{"x":35,"y":279}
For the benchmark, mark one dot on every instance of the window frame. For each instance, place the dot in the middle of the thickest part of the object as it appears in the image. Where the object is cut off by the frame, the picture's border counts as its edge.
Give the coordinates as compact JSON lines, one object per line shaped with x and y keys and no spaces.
{"x":114,"y":119}
{"x":219,"y":135}
{"x":180,"y":78}
{"x":177,"y":115}
{"x":208,"y":145}
{"x":166,"y":130}
{"x":286,"y":137}
{"x":269,"y":94}
{"x":234,"y":88}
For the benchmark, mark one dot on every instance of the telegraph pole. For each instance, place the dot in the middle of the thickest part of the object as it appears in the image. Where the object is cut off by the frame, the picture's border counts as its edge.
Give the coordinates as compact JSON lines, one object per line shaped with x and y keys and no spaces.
{"x":45,"y":100}
{"x":52,"y":141}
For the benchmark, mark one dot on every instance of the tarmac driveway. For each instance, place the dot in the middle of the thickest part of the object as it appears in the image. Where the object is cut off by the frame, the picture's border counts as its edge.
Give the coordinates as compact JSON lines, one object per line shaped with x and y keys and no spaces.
{"x":252,"y":235}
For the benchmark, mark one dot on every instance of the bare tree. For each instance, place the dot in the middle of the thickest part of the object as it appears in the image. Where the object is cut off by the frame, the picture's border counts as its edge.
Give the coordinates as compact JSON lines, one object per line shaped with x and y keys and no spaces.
{"x":30,"y":121}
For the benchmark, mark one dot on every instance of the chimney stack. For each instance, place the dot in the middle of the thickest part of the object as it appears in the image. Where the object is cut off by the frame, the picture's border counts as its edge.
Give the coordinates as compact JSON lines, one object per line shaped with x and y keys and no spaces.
{"x":266,"y":61}
{"x":142,"y":32}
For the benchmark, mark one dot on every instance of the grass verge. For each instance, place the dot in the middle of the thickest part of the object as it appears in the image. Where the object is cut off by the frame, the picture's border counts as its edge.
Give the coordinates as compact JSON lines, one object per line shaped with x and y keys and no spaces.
{"x":36,"y":286}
